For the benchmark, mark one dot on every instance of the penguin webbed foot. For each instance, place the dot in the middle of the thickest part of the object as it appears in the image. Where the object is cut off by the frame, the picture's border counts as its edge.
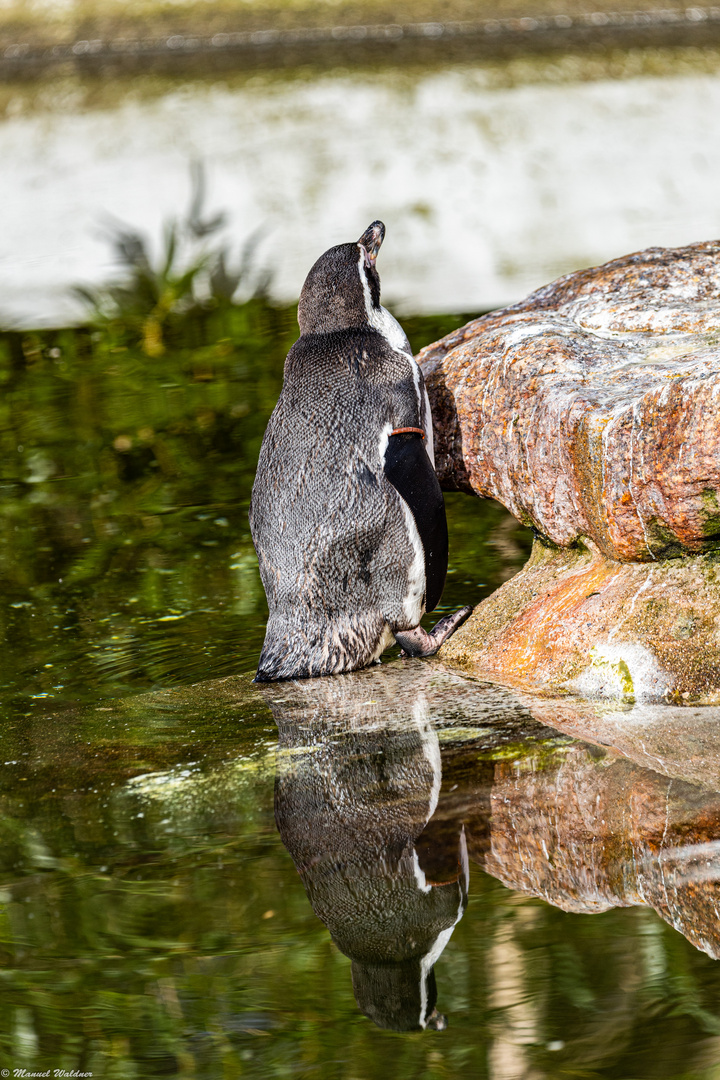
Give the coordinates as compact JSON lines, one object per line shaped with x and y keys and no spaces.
{"x":421,"y":642}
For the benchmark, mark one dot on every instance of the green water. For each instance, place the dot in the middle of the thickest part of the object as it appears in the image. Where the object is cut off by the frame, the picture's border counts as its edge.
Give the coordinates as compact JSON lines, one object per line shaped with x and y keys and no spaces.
{"x":193,"y":870}
{"x":125,"y":553}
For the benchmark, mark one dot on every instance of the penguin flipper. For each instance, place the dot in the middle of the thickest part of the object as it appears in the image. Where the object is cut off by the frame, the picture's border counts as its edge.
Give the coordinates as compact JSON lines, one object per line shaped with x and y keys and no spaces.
{"x":410,"y":471}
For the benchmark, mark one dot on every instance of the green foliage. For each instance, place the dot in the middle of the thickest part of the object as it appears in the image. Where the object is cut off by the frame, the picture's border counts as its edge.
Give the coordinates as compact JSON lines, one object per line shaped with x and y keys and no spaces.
{"x":155,"y":306}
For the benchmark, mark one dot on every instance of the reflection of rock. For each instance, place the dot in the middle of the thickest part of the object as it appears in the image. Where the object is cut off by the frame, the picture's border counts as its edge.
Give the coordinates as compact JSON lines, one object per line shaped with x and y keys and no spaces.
{"x":390,"y":779}
{"x":590,"y":411}
{"x":677,"y":741}
{"x":588,"y":834}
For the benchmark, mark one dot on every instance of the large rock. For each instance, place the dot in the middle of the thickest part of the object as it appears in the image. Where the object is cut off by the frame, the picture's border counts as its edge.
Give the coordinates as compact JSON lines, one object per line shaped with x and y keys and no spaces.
{"x":591,"y":411}
{"x":574,"y":621}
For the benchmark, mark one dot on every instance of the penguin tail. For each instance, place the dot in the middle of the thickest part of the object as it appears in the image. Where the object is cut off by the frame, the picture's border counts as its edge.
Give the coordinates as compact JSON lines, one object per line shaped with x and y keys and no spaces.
{"x":263,"y":676}
{"x":278,"y":659}
{"x":297,"y":647}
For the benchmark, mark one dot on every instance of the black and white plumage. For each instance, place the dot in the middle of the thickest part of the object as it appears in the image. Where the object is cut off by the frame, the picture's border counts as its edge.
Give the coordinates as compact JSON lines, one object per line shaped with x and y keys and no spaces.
{"x":347,"y":515}
{"x":361,"y":807}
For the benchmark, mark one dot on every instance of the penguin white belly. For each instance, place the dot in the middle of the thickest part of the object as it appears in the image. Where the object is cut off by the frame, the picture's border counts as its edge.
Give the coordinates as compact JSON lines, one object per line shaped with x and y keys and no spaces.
{"x":387,"y":638}
{"x":427,"y":423}
{"x":381,"y":319}
{"x":387,"y":325}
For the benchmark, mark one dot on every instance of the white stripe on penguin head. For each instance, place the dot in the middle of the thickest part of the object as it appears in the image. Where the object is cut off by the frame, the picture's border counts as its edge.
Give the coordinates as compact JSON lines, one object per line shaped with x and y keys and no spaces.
{"x":380,"y":318}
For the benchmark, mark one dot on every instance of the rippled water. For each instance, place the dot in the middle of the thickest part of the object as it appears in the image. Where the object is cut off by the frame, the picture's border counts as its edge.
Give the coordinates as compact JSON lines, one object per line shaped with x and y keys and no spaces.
{"x":199,"y":877}
{"x":189,"y":889}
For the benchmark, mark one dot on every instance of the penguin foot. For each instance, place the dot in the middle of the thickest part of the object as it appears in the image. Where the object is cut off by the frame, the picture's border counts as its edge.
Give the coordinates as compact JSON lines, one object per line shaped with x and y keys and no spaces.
{"x":420,"y":642}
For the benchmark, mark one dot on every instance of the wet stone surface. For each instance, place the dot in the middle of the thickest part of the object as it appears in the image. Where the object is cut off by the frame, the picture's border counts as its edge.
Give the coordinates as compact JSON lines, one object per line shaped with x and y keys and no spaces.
{"x":574,"y":621}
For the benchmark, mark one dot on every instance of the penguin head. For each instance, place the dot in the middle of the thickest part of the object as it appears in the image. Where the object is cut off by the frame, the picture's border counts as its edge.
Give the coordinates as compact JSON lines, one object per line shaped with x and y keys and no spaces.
{"x":398,"y":997}
{"x":342,"y":289}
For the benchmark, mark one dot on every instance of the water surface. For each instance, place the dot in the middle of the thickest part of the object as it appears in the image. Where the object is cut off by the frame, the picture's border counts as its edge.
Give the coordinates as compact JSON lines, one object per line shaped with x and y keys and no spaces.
{"x":189,"y":889}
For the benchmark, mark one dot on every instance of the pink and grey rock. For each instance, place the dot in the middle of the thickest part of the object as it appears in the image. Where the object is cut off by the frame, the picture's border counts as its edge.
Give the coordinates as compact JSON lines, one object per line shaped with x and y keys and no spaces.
{"x":591,"y":410}
{"x":592,"y":407}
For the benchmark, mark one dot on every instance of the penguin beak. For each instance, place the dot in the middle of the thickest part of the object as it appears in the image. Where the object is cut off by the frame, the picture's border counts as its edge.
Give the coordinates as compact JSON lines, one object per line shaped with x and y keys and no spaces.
{"x":371,"y":240}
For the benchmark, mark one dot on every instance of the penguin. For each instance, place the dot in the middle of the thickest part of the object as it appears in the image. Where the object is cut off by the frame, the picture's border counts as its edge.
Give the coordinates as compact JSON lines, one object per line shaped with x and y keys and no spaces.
{"x":346,"y":514}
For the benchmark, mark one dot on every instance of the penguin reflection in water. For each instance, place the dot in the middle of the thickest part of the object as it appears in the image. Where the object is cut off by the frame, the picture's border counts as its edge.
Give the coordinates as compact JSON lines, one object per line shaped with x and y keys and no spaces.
{"x":381,"y":824}
{"x":347,"y":515}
